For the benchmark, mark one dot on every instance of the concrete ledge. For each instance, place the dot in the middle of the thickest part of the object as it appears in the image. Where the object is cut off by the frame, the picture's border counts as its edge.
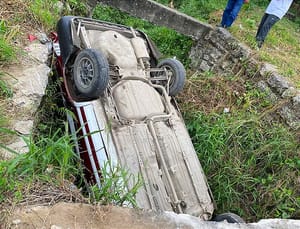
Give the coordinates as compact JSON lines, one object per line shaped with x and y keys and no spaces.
{"x":161,"y":15}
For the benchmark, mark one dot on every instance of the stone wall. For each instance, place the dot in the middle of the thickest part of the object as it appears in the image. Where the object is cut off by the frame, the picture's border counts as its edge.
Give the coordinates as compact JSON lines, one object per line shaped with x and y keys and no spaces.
{"x":28,"y":79}
{"x":218,"y":51}
{"x":221,"y":53}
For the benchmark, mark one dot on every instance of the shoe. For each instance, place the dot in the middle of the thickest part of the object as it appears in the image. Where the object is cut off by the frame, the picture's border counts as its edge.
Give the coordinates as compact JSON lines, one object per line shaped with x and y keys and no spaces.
{"x":221,"y":26}
{"x":259,"y":44}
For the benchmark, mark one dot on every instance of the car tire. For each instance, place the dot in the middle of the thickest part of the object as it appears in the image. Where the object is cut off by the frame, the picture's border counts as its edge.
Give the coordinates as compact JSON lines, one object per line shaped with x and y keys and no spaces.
{"x":229,"y":218}
{"x":91,"y":73}
{"x":65,"y":38}
{"x":177,"y":73}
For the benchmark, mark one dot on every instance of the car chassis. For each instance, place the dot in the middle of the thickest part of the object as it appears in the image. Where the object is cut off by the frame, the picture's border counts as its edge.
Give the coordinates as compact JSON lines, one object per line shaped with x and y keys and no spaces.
{"x":125,"y":113}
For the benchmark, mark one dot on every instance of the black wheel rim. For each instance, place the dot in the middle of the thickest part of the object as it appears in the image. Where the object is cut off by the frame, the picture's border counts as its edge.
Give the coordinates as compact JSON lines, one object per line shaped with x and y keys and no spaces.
{"x":86,"y":72}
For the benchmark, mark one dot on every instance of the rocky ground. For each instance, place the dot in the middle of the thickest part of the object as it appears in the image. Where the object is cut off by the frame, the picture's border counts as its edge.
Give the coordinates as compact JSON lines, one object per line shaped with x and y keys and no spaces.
{"x":84,"y":216}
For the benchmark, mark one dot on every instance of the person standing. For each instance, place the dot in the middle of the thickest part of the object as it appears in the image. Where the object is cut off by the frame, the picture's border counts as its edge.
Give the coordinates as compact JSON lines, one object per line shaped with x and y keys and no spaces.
{"x":231,"y":12}
{"x":274,"y":12}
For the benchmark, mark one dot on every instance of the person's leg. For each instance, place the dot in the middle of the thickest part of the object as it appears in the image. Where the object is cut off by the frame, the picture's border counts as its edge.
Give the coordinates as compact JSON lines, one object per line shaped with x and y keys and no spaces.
{"x":266,"y":24}
{"x":227,"y":12}
{"x":233,"y":12}
{"x":263,"y":19}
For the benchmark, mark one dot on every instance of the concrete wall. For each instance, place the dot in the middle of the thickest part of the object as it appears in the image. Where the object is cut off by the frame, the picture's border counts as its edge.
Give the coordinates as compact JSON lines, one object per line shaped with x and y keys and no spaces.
{"x":160,"y":15}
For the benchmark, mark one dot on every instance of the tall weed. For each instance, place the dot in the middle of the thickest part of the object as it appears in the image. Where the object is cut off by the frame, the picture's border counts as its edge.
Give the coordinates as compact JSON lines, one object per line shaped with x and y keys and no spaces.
{"x":250,"y":163}
{"x":44,"y":13}
{"x":5,"y":89}
{"x":7,"y":52}
{"x":115,"y":186}
{"x":50,"y":159}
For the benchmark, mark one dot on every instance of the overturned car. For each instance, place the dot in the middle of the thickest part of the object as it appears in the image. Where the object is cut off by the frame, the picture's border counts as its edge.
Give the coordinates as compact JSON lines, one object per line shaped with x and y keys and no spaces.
{"x":122,"y":97}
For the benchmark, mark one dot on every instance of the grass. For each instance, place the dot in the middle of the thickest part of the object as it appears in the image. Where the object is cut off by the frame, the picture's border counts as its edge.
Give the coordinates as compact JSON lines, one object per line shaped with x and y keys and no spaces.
{"x":281,"y":47}
{"x":3,"y":122}
{"x":250,"y":159}
{"x":51,"y":160}
{"x":48,"y":159}
{"x":44,"y":13}
{"x":5,"y":93}
{"x":5,"y":89}
{"x":251,"y":164}
{"x":114,"y":186}
{"x":7,"y":52}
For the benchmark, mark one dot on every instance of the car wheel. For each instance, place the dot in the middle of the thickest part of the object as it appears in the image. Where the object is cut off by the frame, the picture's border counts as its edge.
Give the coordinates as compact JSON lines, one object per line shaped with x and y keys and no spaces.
{"x":228,"y":217}
{"x":65,"y":38}
{"x":90,"y":73}
{"x":177,"y":74}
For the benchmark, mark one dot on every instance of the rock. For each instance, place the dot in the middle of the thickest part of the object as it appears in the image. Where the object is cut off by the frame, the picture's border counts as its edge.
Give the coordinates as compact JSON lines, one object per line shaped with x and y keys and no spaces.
{"x":43,"y":38}
{"x":296,"y":101}
{"x":277,"y":224}
{"x":37,"y":51}
{"x":16,"y":221}
{"x":60,"y":7}
{"x":23,"y":127}
{"x":55,"y":227}
{"x":30,"y":84}
{"x":267,"y":69}
{"x":28,"y":81}
{"x":19,"y":146}
{"x":278,"y":83}
{"x":291,"y":117}
{"x":263,"y":86}
{"x":289,"y":93}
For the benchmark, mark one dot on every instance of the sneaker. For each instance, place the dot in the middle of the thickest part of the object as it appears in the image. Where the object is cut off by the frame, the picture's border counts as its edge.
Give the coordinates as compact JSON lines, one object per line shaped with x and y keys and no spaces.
{"x":221,"y":26}
{"x":259,"y":44}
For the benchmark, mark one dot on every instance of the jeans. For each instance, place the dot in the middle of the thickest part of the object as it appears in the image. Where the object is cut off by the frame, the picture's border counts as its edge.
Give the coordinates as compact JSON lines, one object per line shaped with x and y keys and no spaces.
{"x":267,"y":21}
{"x":231,"y":12}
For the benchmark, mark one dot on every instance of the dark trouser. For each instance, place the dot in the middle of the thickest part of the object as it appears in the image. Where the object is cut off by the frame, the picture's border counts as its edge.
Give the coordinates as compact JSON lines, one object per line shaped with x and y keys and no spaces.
{"x":265,"y":25}
{"x":231,"y":12}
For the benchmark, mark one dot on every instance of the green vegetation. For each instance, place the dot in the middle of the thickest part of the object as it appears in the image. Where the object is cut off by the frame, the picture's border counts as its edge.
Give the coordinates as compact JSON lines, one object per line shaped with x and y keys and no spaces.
{"x":44,"y":13}
{"x":114,"y":188}
{"x":281,"y":47}
{"x":5,"y":90}
{"x":51,"y":160}
{"x":48,"y":160}
{"x":7,"y":53}
{"x":251,"y":160}
{"x":3,"y":122}
{"x":251,"y":164}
